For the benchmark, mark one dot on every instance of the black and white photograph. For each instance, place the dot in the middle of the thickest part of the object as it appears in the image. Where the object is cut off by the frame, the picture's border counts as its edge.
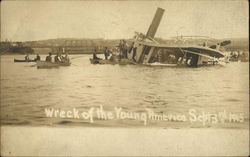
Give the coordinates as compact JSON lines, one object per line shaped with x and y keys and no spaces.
{"x":124,"y":78}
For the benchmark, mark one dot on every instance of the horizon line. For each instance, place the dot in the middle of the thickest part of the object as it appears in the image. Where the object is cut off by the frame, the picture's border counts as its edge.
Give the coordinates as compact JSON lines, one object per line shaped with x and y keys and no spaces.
{"x":168,"y":38}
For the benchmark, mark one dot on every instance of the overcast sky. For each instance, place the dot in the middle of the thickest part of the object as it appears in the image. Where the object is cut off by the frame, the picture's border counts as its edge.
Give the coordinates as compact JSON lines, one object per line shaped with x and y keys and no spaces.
{"x":36,"y":20}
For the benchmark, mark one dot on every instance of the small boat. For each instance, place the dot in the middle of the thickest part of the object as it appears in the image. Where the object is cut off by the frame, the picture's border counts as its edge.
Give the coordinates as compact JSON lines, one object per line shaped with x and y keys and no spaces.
{"x":19,"y":60}
{"x":44,"y":64}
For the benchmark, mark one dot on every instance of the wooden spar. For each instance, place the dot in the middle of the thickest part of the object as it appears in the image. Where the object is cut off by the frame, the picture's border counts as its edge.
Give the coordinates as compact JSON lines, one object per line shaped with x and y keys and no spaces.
{"x":144,"y":50}
{"x":155,"y":23}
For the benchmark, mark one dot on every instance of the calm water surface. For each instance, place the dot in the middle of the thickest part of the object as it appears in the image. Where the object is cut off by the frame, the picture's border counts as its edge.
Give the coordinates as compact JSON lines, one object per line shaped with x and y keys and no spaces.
{"x":27,"y":91}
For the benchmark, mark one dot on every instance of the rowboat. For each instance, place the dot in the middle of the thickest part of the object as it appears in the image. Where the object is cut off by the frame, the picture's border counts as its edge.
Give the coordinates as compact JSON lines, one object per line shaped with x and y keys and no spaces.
{"x":19,"y":60}
{"x":44,"y":64}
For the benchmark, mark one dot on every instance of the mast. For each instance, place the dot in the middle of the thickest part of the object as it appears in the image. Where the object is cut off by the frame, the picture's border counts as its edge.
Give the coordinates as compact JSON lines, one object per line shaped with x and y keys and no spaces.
{"x":146,"y":50}
{"x":155,"y":23}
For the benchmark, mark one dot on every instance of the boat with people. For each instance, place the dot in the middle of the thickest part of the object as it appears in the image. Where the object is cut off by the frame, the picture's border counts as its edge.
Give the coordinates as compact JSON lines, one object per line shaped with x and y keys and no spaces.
{"x":46,"y":64}
{"x":27,"y":59}
{"x":111,"y":57}
{"x":58,"y":61}
{"x":240,"y":56}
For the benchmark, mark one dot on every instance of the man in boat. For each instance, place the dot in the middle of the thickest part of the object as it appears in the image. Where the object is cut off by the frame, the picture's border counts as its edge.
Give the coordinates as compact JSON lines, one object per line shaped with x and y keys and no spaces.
{"x":27,"y":57}
{"x":57,"y":58}
{"x":49,"y":58}
{"x":95,"y":57}
{"x":38,"y":58}
{"x":113,"y":57}
{"x":65,"y":58}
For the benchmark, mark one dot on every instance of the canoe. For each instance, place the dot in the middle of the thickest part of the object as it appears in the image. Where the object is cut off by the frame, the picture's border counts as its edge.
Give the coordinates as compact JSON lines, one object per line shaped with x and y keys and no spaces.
{"x":19,"y":60}
{"x":44,"y":64}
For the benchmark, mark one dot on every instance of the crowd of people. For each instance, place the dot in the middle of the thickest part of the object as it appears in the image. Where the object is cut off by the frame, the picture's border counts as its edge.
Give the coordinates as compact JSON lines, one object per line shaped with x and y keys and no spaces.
{"x":236,"y":55}
{"x":57,"y":58}
{"x":122,"y":51}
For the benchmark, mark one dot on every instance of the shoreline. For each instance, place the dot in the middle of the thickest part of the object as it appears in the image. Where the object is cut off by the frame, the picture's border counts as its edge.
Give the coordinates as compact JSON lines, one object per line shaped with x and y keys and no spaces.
{"x":2,"y":54}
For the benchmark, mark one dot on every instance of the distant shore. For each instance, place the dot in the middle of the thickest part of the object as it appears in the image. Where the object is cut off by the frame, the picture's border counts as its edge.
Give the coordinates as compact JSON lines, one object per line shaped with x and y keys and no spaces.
{"x":21,"y":54}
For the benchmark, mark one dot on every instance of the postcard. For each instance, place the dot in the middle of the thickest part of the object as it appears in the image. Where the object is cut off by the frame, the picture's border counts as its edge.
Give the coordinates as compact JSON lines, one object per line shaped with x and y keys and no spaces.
{"x":124,"y":78}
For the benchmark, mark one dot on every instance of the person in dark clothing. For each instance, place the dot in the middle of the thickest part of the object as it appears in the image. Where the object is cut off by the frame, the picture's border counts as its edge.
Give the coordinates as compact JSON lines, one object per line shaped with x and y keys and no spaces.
{"x":95,"y":57}
{"x":120,"y":46}
{"x":38,"y":58}
{"x":65,"y":58}
{"x":49,"y":58}
{"x":125,"y":49}
{"x":106,"y":53}
{"x":57,"y":58}
{"x":27,"y":57}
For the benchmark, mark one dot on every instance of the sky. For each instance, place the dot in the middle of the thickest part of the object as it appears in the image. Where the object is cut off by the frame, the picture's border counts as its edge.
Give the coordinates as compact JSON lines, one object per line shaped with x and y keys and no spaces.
{"x":37,"y":20}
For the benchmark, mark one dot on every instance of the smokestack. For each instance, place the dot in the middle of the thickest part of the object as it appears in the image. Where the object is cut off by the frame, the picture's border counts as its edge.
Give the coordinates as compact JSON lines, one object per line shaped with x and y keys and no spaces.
{"x":155,"y":23}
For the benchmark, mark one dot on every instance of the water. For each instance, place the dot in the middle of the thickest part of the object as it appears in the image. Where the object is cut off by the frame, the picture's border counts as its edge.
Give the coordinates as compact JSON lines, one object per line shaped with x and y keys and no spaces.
{"x":27,"y":91}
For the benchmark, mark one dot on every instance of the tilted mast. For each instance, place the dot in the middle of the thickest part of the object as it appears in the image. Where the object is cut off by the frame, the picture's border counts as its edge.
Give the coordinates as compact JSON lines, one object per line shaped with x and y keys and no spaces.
{"x":155,"y":23}
{"x":146,"y":50}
